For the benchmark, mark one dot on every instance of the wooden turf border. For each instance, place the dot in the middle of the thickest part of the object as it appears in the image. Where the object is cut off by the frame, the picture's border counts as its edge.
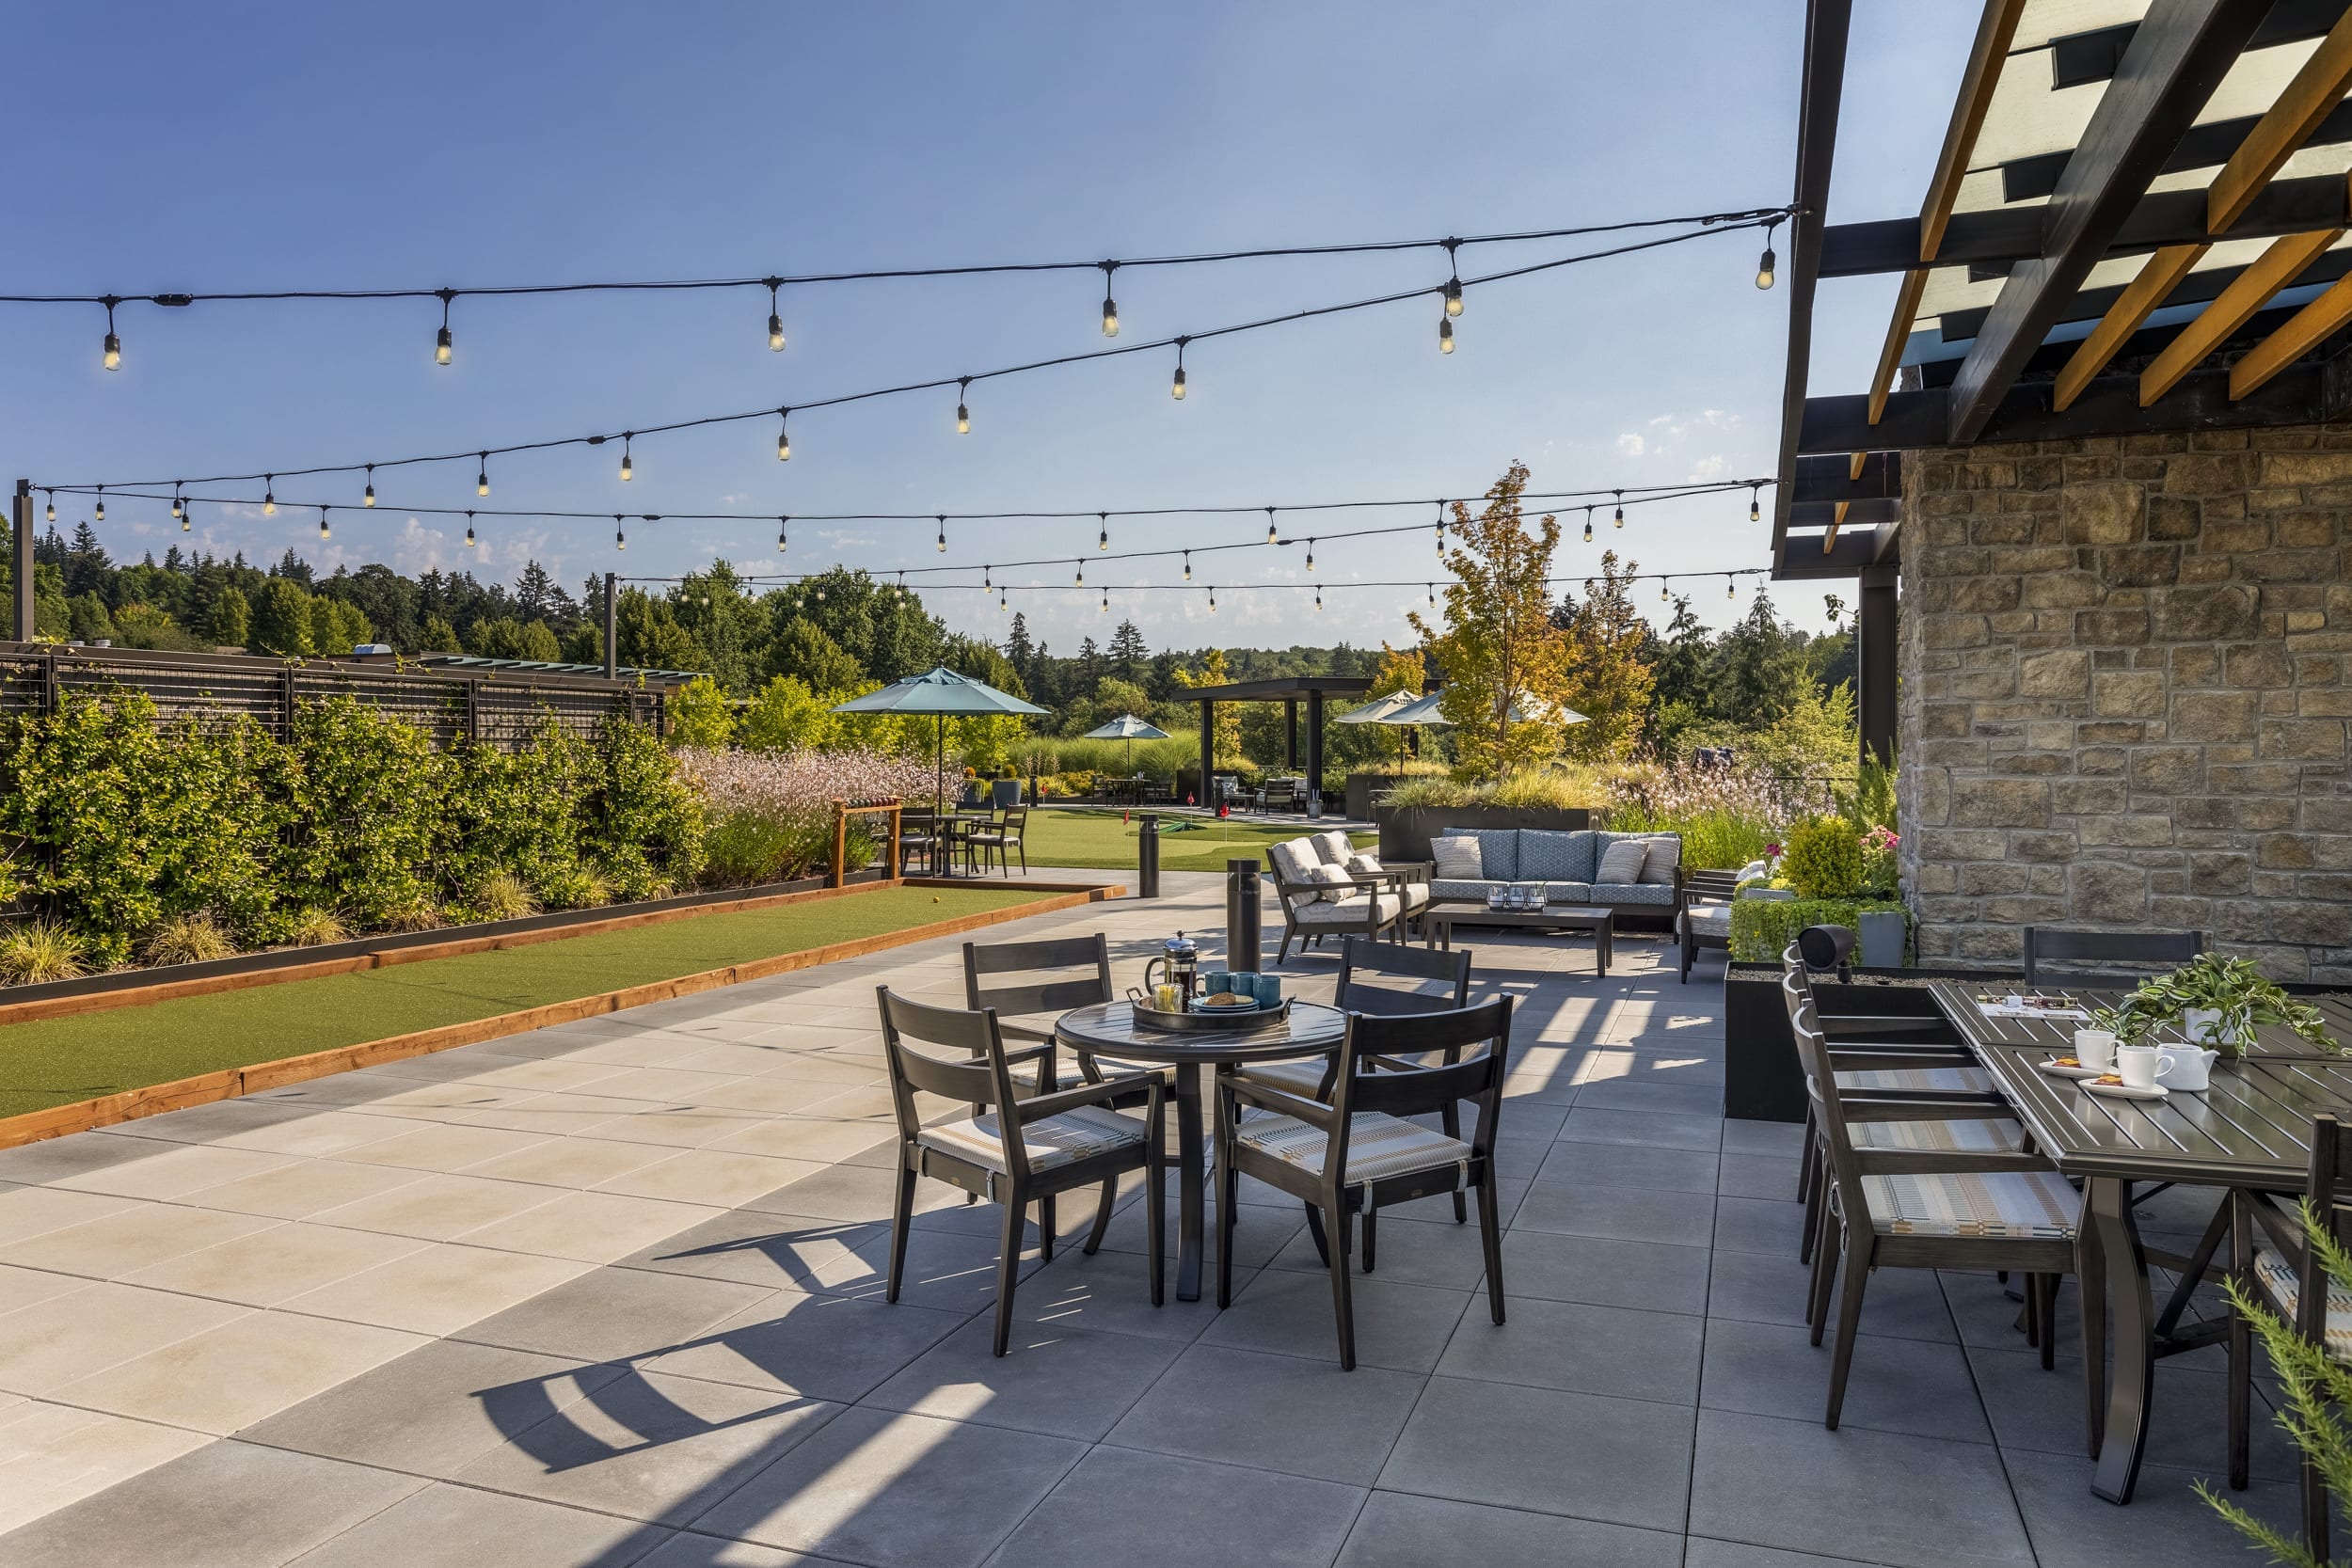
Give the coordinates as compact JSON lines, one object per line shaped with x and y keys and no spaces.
{"x":231,"y":1083}
{"x":32,"y":1008}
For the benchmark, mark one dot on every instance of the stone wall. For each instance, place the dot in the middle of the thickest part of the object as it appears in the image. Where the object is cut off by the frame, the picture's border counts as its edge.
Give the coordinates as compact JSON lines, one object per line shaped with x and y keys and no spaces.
{"x":2124,"y":698}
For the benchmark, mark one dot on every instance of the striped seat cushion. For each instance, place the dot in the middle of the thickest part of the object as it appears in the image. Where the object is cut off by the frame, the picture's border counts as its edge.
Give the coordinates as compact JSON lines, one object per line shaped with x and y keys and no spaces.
{"x":1985,"y":1136}
{"x":1709,"y":920}
{"x":1921,"y":1080}
{"x":2011,"y":1204}
{"x":1075,"y":1134}
{"x":1378,"y":1146}
{"x":2277,"y":1276}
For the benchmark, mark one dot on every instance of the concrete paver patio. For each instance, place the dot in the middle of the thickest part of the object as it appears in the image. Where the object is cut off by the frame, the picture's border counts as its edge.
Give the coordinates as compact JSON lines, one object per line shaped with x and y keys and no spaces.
{"x":611,"y":1293}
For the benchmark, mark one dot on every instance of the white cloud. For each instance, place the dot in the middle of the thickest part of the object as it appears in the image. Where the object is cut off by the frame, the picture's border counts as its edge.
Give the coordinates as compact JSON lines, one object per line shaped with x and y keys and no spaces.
{"x":1630,"y":445}
{"x":1711,"y":467}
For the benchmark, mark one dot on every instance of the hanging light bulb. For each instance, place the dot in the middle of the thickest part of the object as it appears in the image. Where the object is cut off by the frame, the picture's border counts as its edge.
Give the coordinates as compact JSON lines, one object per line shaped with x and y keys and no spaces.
{"x":1103,"y":539}
{"x":102,"y":503}
{"x":1661,"y":591}
{"x":784,"y":434}
{"x":943,"y":533}
{"x":1001,"y":605}
{"x":1107,"y":601}
{"x":1271,"y":537}
{"x":1588,"y":525}
{"x":1445,"y":335}
{"x":53,"y":505}
{"x":176,"y":507}
{"x":1764,"y":262}
{"x":628,"y":469}
{"x":1082,"y":573}
{"x":1212,"y":601}
{"x":987,"y":579}
{"x":620,"y":538}
{"x":1731,"y":588}
{"x":369,"y":499}
{"x":1452,"y":284}
{"x":783,"y":522}
{"x":1176,"y":387}
{"x":1187,"y":566}
{"x":1755,"y":506}
{"x":185,"y":524}
{"x":963,"y":409}
{"x":470,"y":530}
{"x":1110,"y":305}
{"x":1431,"y":589}
{"x":1441,"y":530}
{"x":1318,"y":598}
{"x":441,"y":342}
{"x":1620,"y":495}
{"x":903,"y":585}
{"x":269,"y":495}
{"x":1311,"y":555}
{"x":482,"y":477}
{"x":775,"y":319}
{"x":113,"y":358}
{"x":323,"y":534}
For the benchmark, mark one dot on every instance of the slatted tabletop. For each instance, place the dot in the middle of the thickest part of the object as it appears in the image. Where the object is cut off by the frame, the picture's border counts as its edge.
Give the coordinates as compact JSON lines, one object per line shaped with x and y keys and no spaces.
{"x":2251,"y":1128}
{"x":1959,"y":1002}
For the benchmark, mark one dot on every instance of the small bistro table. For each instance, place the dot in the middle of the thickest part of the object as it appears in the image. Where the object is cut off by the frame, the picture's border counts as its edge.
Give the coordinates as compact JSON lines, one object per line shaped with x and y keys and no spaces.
{"x":1439,"y":917}
{"x":1109,"y":1029}
{"x":2251,"y":1130}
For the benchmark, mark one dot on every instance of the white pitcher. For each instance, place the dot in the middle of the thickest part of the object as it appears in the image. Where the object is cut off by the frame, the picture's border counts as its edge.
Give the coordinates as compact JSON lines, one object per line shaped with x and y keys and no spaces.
{"x":2187,"y":1067}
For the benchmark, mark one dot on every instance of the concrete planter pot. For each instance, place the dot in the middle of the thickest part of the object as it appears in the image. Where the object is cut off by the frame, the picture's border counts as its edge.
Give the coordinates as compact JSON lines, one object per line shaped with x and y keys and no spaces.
{"x":1882,"y":934}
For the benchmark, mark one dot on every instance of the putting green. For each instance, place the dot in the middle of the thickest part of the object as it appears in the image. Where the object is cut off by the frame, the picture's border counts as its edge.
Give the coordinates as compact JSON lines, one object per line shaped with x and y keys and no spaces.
{"x":58,"y":1061}
{"x":1099,"y":840}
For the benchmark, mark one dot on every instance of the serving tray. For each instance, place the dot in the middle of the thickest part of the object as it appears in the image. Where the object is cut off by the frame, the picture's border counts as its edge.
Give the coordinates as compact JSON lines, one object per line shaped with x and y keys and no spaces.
{"x":1217,"y":1020}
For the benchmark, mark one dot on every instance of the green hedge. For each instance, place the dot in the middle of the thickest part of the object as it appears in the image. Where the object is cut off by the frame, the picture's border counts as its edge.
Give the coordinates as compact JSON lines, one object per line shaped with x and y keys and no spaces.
{"x":1762,"y":929}
{"x":112,"y":823}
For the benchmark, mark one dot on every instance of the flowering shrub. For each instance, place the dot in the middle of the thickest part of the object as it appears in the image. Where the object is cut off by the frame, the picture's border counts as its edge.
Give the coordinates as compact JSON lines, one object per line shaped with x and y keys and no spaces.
{"x":1726,"y":816}
{"x":1877,"y":859}
{"x":1824,"y":859}
{"x":770,"y":815}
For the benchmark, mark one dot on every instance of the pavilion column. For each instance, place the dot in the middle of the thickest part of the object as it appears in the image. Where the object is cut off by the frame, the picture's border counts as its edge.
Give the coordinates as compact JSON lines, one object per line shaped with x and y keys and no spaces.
{"x":1874,"y":659}
{"x":1314,"y":752}
{"x":1290,"y":735}
{"x":1208,"y":751}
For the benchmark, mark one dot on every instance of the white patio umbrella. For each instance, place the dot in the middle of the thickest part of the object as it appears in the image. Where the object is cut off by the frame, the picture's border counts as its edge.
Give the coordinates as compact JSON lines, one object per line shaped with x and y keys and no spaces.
{"x":1383,"y":709}
{"x":938,"y":692}
{"x":1129,"y":728}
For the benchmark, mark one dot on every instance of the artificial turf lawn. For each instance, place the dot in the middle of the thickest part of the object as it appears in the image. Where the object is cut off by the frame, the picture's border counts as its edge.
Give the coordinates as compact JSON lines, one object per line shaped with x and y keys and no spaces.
{"x":58,"y":1061}
{"x":1098,"y":840}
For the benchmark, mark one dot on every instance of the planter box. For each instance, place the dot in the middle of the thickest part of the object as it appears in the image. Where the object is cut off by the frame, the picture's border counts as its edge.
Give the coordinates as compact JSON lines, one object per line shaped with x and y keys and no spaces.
{"x":1362,"y":787}
{"x":1005,"y":792}
{"x":1405,"y":831}
{"x":1762,"y":1081}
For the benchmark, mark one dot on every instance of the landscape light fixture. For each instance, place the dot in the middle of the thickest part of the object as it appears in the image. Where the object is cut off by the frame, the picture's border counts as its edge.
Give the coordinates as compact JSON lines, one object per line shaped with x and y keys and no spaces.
{"x":1431,"y":589}
{"x":1318,"y":598}
{"x":1661,"y":591}
{"x":784,"y":434}
{"x":963,"y":409}
{"x":1107,"y":601}
{"x":775,"y":319}
{"x":1176,"y":387}
{"x":1764,"y":262}
{"x":369,"y":499}
{"x":113,"y":359}
{"x":441,"y":342}
{"x":482,"y":477}
{"x":1110,"y":305}
{"x":1731,"y":588}
{"x":628,"y":469}
{"x":1001,"y":605}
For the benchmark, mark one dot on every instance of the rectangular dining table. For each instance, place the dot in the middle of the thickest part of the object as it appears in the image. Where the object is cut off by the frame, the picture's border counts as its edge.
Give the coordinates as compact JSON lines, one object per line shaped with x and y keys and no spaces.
{"x":2250,"y":1128}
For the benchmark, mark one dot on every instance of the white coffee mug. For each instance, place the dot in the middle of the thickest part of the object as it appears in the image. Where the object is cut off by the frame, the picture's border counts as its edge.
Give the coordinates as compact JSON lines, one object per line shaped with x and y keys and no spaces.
{"x":2187,"y":1068}
{"x":2140,"y":1065}
{"x":2095,"y":1048}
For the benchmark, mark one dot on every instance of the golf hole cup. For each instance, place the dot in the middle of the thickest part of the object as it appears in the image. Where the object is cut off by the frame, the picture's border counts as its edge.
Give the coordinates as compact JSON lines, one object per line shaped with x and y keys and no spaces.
{"x":2095,"y":1048}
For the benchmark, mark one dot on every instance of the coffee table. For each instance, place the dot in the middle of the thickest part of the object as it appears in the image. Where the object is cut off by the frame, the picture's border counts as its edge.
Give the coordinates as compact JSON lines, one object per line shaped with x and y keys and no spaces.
{"x":1439,"y":919}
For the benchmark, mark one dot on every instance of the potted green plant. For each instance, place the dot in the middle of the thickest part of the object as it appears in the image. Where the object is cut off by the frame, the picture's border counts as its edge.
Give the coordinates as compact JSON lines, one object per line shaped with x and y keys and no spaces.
{"x":2218,"y":1001}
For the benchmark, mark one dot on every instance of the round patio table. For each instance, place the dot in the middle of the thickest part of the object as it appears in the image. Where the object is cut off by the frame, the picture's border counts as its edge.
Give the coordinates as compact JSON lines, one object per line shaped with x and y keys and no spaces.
{"x":1109,"y":1029}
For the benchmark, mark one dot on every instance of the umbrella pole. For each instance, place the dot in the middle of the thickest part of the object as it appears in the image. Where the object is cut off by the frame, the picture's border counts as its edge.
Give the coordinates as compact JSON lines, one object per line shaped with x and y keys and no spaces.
{"x":939,"y":763}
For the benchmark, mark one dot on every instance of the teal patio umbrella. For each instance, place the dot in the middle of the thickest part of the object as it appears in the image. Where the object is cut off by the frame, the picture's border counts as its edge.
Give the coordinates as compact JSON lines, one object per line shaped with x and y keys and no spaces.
{"x":940,"y":693}
{"x":1129,"y":728}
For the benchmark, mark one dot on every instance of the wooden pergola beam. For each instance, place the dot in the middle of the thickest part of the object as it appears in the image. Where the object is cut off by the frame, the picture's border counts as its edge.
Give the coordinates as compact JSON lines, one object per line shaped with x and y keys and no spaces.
{"x":2302,"y":332}
{"x":2159,"y":278}
{"x":2308,"y":98}
{"x":2274,"y":270}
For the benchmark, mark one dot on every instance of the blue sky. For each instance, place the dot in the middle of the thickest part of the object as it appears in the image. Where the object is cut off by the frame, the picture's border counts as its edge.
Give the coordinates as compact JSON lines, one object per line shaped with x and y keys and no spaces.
{"x":257,"y":146}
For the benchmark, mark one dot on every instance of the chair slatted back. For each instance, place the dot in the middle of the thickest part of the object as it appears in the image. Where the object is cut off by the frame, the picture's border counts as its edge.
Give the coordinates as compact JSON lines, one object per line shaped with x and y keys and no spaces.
{"x":1054,"y":995}
{"x":2329,"y":1186}
{"x":983,"y":1080}
{"x":1829,"y":1112}
{"x":2045,"y":943}
{"x":1479,"y":1040}
{"x":1710,"y":885}
{"x":1441,"y":981}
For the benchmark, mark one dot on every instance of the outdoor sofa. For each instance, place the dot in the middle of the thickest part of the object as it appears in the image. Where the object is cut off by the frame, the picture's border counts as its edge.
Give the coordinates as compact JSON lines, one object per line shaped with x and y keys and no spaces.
{"x":1567,"y":865}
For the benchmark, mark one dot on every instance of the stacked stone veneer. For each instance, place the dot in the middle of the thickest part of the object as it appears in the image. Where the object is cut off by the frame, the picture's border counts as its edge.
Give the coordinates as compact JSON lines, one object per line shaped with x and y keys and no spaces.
{"x":2124,"y":695}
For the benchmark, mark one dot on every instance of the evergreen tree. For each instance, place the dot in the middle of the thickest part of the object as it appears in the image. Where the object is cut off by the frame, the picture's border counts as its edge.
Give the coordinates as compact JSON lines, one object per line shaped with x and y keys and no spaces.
{"x":293,"y":569}
{"x":435,"y":635}
{"x":583,"y":644}
{"x":1089,"y":669}
{"x":539,"y":597}
{"x":1018,"y":647}
{"x":1758,"y":671}
{"x":229,"y":622}
{"x":86,"y":567}
{"x":281,"y":619}
{"x":650,"y":636}
{"x":804,"y":652}
{"x":1128,"y":653}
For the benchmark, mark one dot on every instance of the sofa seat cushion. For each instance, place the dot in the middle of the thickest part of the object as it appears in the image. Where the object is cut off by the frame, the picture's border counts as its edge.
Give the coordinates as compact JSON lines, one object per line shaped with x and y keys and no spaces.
{"x":1458,"y":889}
{"x":1567,"y":893}
{"x":1633,"y":892}
{"x":1351,"y":913}
{"x":1706,"y":920}
{"x":1555,"y":857}
{"x":1416,"y":894}
{"x":1498,"y":851}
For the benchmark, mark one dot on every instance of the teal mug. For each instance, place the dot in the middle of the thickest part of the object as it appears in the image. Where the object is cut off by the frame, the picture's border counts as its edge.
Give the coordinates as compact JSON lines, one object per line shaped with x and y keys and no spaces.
{"x":1243,"y":982}
{"x":1269,"y":988}
{"x":1214,"y":982}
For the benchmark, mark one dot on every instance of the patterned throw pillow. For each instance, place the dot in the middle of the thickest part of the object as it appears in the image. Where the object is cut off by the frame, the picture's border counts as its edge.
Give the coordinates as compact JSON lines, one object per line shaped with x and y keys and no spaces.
{"x":1664,"y":854}
{"x":1621,"y":863}
{"x":1338,"y":886}
{"x":1332,"y":849}
{"x":1364,"y":865}
{"x":1456,"y":857}
{"x":1292,"y":859}
{"x":1549,"y":857}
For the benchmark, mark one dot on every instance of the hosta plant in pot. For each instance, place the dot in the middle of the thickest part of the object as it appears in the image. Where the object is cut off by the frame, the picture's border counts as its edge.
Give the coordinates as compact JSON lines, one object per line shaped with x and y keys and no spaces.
{"x":2219,"y":1001}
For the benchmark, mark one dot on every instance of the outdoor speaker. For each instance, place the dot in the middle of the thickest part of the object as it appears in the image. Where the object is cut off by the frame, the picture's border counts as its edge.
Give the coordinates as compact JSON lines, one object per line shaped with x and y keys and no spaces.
{"x":1825,"y":947}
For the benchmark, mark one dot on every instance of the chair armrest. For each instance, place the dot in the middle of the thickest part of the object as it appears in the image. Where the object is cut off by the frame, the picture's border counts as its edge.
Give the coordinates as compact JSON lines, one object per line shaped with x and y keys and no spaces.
{"x":1028,"y":1053}
{"x":1027,"y":1111}
{"x":1025,"y":1031}
{"x":1250,"y":1091}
